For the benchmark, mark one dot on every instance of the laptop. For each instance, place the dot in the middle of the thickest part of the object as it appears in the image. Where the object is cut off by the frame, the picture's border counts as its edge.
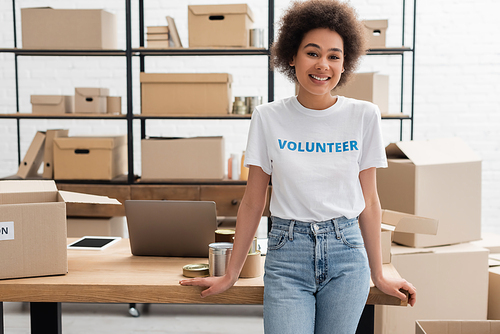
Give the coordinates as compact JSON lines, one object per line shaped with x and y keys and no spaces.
{"x":171,"y":228}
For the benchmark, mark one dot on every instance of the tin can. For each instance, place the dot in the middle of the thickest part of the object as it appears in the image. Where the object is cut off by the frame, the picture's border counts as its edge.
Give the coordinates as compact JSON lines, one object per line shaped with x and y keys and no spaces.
{"x":257,"y":38}
{"x":196,"y":270}
{"x":224,"y":235}
{"x":218,"y":257}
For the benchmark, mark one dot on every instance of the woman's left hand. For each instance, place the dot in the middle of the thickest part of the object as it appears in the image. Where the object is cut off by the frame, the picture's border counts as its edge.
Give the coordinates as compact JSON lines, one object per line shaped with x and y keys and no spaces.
{"x":391,"y":286}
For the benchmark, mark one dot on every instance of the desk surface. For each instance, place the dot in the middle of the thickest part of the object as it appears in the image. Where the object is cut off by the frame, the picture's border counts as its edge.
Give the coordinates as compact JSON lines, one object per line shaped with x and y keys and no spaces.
{"x":114,"y":275}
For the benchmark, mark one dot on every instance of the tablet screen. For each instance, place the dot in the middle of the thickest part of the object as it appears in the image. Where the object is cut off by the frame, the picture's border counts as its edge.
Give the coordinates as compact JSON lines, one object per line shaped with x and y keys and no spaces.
{"x":93,"y":242}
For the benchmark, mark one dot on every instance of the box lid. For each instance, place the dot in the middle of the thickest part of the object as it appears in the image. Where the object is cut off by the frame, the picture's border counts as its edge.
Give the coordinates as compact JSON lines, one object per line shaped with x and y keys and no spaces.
{"x":71,"y":143}
{"x":25,"y":186}
{"x":376,"y":24}
{"x":186,"y":77}
{"x":72,"y":197}
{"x":47,"y":99}
{"x":91,"y":91}
{"x":432,"y":152}
{"x":221,"y":9}
{"x":408,"y":223}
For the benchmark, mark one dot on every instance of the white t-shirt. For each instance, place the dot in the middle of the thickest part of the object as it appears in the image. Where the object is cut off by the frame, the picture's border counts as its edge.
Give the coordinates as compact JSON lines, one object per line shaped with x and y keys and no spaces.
{"x":314,"y":156}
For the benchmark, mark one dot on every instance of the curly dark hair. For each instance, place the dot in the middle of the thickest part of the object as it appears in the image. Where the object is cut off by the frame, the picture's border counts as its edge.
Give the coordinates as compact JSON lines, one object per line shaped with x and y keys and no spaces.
{"x":302,"y":17}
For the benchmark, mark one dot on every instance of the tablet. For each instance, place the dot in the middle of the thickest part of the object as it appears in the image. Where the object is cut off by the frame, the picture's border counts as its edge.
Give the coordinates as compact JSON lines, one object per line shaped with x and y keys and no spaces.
{"x":96,"y":243}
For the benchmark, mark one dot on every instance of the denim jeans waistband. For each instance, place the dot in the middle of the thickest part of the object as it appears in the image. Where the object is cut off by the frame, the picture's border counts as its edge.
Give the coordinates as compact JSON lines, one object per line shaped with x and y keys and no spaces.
{"x":325,"y":226}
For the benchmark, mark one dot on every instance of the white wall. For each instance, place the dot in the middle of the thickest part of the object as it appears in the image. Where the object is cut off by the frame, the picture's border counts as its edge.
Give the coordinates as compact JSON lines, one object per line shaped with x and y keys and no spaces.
{"x":456,"y":93}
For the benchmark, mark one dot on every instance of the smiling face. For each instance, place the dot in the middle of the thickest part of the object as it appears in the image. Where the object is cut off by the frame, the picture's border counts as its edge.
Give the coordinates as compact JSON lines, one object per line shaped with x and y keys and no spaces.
{"x":318,"y":67}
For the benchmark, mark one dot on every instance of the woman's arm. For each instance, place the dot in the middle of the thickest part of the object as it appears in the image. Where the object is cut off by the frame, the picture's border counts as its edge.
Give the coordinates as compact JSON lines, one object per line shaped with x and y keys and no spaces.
{"x":247,"y":222}
{"x":369,"y":223}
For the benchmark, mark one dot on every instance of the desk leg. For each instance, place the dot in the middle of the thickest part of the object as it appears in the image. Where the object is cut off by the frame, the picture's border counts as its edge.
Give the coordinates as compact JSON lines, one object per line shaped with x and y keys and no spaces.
{"x":46,"y":318}
{"x":1,"y":317}
{"x":367,"y":322}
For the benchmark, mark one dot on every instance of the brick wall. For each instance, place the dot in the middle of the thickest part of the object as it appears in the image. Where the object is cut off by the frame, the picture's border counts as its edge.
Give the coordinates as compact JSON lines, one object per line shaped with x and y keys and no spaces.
{"x":456,"y":93}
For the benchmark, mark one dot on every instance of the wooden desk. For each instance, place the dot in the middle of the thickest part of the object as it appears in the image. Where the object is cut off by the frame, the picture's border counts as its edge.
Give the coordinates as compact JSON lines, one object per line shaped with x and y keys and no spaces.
{"x":114,"y":275}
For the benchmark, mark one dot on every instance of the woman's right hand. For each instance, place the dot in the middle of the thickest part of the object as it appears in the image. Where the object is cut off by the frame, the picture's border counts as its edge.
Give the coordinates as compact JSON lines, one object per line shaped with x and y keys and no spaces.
{"x":215,"y":285}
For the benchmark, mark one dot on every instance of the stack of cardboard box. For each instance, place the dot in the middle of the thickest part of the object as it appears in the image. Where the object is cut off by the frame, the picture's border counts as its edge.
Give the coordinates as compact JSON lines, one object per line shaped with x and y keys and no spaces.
{"x":74,"y":158}
{"x":87,"y":100}
{"x":439,"y":179}
{"x":158,"y":37}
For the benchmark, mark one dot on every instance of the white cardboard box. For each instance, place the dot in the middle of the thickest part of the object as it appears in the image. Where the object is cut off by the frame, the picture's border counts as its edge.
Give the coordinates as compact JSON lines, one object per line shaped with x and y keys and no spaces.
{"x":457,"y":327}
{"x":440,"y":179}
{"x":451,"y":282}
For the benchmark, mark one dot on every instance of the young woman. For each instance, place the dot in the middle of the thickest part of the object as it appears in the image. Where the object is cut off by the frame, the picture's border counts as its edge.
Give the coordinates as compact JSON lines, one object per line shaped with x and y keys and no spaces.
{"x":321,"y":152}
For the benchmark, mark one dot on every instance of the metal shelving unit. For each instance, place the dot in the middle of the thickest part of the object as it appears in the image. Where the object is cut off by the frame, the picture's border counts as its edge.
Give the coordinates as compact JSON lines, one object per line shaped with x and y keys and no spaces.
{"x":143,"y":53}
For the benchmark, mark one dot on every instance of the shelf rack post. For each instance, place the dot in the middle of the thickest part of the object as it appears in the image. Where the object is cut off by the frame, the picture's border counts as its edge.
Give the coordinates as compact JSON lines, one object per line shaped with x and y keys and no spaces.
{"x":18,"y":122}
{"x":130,"y":115}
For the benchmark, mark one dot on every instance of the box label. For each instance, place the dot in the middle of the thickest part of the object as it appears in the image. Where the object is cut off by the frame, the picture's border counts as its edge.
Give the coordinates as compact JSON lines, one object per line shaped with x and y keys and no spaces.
{"x":6,"y":230}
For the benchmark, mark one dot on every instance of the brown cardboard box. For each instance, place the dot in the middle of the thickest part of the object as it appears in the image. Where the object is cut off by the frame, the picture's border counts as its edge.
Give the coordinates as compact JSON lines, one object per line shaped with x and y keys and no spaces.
{"x":106,"y":227}
{"x":371,"y":87}
{"x":91,"y":100}
{"x":439,"y":179}
{"x":33,"y":158}
{"x":48,"y":28}
{"x":182,"y":158}
{"x":457,"y":327}
{"x":48,"y":160}
{"x":403,"y":223}
{"x":376,"y":31}
{"x":219,"y":25}
{"x":186,"y":93}
{"x":33,"y":227}
{"x":52,"y":104}
{"x":113,"y":104}
{"x":451,"y":282}
{"x":157,"y":30}
{"x":494,"y":293}
{"x":90,"y":158}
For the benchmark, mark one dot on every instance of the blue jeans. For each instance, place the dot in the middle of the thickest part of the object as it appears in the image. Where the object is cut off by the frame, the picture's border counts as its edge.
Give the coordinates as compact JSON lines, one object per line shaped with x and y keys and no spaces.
{"x":317,"y":277}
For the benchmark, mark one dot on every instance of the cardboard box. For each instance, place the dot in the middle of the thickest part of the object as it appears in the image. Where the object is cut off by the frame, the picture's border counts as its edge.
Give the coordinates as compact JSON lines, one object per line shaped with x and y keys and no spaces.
{"x":182,"y":158}
{"x":91,"y":100}
{"x":33,"y":227}
{"x":158,"y":44}
{"x":113,"y":104}
{"x":457,"y":327}
{"x":440,"y":179}
{"x":494,"y":293}
{"x":186,"y":93}
{"x":157,"y":30}
{"x":90,"y":158}
{"x":451,"y":282}
{"x":33,"y":158}
{"x":403,"y":223}
{"x":376,"y":33}
{"x":52,"y":104}
{"x":81,"y":29}
{"x":219,"y":25}
{"x":105,"y":227}
{"x":371,"y":87}
{"x":48,"y":165}
{"x":490,"y":241}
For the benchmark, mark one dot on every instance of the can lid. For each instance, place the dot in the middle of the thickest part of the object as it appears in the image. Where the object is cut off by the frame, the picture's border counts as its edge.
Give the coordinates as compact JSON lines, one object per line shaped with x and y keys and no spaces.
{"x":224,"y":231}
{"x":195,"y":270}
{"x":221,"y":245}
